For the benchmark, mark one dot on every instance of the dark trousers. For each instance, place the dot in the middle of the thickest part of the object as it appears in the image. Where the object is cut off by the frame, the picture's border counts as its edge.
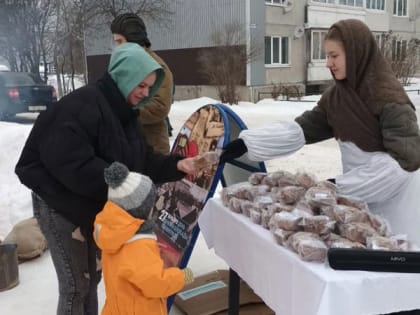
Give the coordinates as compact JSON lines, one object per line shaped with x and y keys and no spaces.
{"x":76,"y":260}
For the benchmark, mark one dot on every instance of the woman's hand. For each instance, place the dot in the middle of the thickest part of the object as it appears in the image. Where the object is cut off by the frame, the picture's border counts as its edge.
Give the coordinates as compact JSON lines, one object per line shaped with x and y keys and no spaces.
{"x":187,"y":165}
{"x":197,"y":163}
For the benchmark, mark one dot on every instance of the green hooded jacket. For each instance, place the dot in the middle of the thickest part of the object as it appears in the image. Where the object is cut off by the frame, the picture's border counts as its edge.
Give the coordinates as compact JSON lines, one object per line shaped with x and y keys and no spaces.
{"x":130,"y":64}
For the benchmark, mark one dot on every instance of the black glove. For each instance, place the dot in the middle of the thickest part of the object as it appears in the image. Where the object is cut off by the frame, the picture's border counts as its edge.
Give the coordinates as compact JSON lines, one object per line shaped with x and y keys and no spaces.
{"x":233,"y":150}
{"x":332,"y":180}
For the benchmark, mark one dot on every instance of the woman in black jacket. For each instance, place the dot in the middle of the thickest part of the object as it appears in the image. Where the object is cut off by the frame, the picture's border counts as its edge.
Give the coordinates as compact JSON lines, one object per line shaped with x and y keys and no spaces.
{"x":64,"y":158}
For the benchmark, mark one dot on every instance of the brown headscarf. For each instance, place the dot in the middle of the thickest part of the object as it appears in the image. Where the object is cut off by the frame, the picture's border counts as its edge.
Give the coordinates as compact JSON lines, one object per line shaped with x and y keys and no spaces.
{"x":353,"y":105}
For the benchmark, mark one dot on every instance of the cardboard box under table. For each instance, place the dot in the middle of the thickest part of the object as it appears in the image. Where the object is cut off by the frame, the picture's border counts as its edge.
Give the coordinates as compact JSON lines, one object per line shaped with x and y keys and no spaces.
{"x":208,"y":294}
{"x":289,"y":285}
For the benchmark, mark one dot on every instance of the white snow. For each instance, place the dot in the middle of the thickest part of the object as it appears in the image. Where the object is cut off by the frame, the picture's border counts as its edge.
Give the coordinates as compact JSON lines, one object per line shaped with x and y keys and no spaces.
{"x":37,"y":290}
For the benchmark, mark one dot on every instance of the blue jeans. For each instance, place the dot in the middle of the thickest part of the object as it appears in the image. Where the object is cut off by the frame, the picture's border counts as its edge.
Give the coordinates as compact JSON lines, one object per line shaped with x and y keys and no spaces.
{"x":75,"y":257}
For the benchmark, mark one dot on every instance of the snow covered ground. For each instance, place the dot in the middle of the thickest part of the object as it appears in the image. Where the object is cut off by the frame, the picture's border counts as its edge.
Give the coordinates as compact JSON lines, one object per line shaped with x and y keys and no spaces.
{"x":37,"y":290}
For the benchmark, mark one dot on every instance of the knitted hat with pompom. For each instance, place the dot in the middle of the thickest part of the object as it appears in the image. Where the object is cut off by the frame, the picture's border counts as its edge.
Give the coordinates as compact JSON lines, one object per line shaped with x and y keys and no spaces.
{"x":132,"y":191}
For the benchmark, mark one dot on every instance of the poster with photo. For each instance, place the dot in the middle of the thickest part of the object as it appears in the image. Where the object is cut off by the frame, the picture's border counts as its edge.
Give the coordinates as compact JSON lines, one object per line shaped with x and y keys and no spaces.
{"x":180,"y":203}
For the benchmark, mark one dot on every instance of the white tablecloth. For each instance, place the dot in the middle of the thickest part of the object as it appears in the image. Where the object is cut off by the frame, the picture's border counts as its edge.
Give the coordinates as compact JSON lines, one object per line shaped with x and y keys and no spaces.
{"x":291,"y":286}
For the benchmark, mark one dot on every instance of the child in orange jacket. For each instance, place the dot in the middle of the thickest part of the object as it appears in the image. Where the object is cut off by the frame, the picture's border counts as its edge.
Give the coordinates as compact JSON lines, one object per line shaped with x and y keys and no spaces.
{"x":136,"y":281}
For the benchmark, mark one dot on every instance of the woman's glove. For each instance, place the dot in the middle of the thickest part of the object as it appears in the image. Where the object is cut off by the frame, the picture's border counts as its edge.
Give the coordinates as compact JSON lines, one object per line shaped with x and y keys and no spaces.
{"x":233,"y":150}
{"x":188,"y":275}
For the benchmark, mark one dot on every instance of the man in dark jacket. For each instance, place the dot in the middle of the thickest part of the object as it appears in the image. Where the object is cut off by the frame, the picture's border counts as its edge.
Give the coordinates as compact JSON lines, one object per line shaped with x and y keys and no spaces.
{"x":64,"y":158}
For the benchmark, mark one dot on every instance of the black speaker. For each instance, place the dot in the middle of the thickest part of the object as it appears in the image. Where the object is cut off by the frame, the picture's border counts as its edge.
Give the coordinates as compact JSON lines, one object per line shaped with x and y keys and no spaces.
{"x":374,"y":260}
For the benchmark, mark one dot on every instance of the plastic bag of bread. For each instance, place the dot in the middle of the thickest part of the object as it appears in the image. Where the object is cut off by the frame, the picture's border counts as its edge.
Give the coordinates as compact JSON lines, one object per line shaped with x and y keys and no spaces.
{"x":279,"y":207}
{"x":352,"y":202}
{"x":356,"y":231}
{"x":326,"y":184}
{"x":333,"y":240}
{"x":318,"y":224}
{"x":288,"y":179}
{"x":275,"y":190}
{"x":287,"y":221}
{"x":262,"y":201}
{"x":348,"y":214}
{"x":303,"y":205}
{"x":234,"y":204}
{"x":305,"y":180}
{"x":238,"y":190}
{"x":300,"y":213}
{"x":272,"y":225}
{"x":256,"y":178}
{"x":403,"y":243}
{"x":381,"y":243}
{"x":308,"y":246}
{"x":291,"y":194}
{"x":259,"y":190}
{"x":271,"y":179}
{"x":279,"y":178}
{"x":345,"y":243}
{"x":255,"y":216}
{"x":380,"y":224}
{"x":281,"y":236}
{"x":319,"y":196}
{"x":206,"y":160}
{"x":265,"y":218}
{"x":246,"y":207}
{"x":328,"y":211}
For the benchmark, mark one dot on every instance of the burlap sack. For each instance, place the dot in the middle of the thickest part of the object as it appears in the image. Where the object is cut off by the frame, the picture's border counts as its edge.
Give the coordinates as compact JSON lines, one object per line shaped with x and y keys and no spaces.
{"x":29,"y":239}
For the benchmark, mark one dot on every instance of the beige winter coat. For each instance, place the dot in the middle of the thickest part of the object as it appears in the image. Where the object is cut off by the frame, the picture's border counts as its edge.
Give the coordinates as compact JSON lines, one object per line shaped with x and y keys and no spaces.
{"x":152,"y":115}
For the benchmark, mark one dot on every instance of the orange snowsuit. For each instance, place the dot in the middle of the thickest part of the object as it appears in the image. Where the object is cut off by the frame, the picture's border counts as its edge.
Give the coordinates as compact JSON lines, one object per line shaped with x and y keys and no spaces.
{"x":135,"y":279}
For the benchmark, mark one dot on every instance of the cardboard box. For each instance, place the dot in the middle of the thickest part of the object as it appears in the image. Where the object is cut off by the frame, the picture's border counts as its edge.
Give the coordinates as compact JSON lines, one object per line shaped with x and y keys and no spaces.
{"x":208,"y":295}
{"x":252,"y":309}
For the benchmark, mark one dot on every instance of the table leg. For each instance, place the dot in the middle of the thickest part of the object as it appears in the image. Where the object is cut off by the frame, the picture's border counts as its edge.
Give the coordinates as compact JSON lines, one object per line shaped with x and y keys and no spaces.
{"x":233,"y":307}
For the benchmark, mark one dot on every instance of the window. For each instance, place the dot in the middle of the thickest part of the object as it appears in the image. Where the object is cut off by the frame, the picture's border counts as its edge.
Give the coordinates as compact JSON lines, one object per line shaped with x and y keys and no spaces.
{"x":375,"y":4}
{"x":370,"y":4}
{"x":400,"y":7}
{"x":276,"y":50}
{"x":399,"y":49}
{"x":318,"y":51}
{"x":324,"y":1}
{"x":278,"y":2}
{"x":353,"y":3}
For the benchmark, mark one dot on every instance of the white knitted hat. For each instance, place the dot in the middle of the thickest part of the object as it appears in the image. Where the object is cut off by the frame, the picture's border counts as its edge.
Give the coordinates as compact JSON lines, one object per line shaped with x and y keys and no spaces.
{"x":132,"y":191}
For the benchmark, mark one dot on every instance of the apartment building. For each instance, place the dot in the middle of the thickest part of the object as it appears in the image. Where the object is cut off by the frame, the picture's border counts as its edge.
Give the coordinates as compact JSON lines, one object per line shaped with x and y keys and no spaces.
{"x":289,"y":34}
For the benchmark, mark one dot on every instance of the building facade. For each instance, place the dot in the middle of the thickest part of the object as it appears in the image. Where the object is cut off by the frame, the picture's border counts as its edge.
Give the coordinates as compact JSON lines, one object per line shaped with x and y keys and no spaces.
{"x":288,"y":33}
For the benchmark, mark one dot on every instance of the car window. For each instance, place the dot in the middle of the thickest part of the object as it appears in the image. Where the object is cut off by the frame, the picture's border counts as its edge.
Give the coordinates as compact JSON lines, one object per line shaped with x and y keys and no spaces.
{"x":15,"y":78}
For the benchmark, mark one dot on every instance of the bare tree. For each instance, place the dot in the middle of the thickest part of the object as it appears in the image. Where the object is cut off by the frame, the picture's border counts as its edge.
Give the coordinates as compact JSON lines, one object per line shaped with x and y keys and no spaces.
{"x":24,"y":26}
{"x":154,"y":10}
{"x":224,"y":64}
{"x":74,"y":17}
{"x":68,"y":53}
{"x":402,"y":54}
{"x":53,"y":31}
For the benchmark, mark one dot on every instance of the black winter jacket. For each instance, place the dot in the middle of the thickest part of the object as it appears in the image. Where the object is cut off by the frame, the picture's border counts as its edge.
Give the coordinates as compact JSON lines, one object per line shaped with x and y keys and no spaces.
{"x":71,"y":144}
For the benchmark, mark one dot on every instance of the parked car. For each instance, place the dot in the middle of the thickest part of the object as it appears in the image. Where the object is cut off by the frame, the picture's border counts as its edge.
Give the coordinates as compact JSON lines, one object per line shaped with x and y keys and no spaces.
{"x":4,"y":68}
{"x":20,"y":94}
